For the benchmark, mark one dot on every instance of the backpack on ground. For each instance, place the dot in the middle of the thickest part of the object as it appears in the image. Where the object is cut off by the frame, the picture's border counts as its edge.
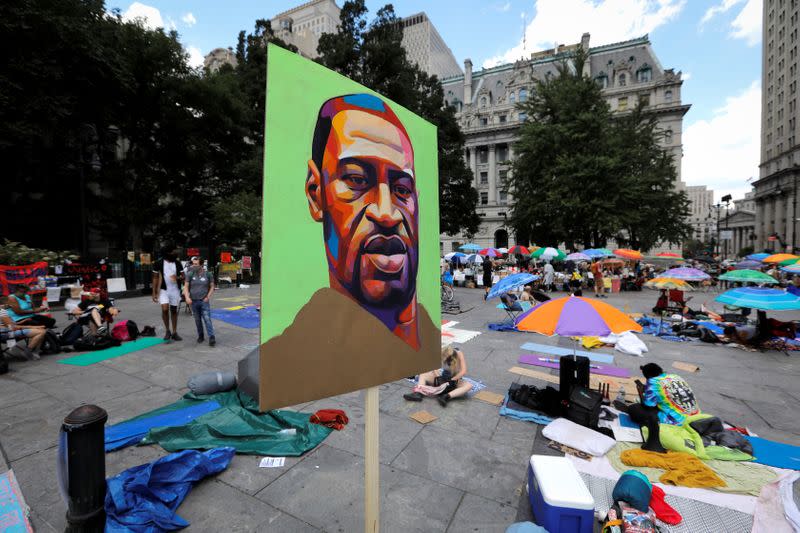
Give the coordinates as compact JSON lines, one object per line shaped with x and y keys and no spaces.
{"x":91,"y":343}
{"x":572,"y":370}
{"x":127,"y":330}
{"x":50,"y":345}
{"x":70,"y":334}
{"x":584,"y":406}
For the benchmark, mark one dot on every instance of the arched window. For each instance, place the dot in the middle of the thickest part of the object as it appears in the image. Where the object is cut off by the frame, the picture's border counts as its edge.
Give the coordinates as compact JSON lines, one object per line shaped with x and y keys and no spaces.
{"x":622,"y":80}
{"x":602,"y":81}
{"x":644,"y":74}
{"x":667,"y":96}
{"x":668,"y":137}
{"x":523,"y":95}
{"x":483,"y":101}
{"x":512,"y":97}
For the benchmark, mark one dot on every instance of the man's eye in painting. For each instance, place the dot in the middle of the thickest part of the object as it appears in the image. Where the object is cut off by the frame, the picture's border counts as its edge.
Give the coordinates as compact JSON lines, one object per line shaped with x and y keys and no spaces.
{"x":357,"y":182}
{"x":402,"y":191}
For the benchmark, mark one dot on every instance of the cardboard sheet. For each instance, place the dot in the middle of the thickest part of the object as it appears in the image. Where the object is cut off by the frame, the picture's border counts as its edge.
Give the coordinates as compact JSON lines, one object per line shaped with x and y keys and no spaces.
{"x":423,"y":417}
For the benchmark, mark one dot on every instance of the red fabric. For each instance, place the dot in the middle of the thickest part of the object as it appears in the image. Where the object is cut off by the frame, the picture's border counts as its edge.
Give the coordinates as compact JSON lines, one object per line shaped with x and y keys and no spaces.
{"x":332,"y":418}
{"x":663,"y":510}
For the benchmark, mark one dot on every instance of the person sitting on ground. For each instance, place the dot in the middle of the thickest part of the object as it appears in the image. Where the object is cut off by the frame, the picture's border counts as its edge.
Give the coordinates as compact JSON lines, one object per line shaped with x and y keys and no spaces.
{"x":94,"y":312}
{"x":667,"y":399}
{"x":454,"y":368}
{"x":526,"y":295}
{"x":22,"y":311}
{"x":33,"y":335}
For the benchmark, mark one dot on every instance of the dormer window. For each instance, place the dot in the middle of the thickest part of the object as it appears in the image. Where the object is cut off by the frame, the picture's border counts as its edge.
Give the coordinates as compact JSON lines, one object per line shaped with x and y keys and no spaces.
{"x":483,"y":101}
{"x":622,"y":80}
{"x":644,"y":74}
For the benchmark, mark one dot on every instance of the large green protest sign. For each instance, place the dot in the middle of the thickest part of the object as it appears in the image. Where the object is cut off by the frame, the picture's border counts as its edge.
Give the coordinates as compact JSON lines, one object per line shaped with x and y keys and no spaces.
{"x":350,"y":247}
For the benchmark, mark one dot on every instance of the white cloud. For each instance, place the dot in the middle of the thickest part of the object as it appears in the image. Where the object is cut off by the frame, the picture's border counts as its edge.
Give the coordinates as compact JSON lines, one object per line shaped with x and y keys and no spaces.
{"x":723,"y":152}
{"x":686,"y":76}
{"x":747,"y":24}
{"x":505,"y":7}
{"x":149,"y":15}
{"x":195,"y":56}
{"x":563,"y":21}
{"x":713,"y":11}
{"x":189,"y":19}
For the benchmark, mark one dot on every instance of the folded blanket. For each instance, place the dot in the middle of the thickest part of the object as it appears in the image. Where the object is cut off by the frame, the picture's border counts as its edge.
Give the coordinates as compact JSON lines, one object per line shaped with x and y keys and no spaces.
{"x":681,"y":469}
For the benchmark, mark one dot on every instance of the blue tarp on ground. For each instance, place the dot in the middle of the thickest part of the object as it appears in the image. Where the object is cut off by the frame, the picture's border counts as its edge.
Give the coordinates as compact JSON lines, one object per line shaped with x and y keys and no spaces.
{"x":131,"y":432}
{"x":526,"y":416}
{"x":247,"y":317}
{"x":145,"y":498}
{"x":659,"y":328}
{"x":778,"y":454}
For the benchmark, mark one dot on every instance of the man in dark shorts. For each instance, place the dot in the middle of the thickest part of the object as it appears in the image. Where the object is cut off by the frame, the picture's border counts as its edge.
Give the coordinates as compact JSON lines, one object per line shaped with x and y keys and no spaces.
{"x":488,"y":265}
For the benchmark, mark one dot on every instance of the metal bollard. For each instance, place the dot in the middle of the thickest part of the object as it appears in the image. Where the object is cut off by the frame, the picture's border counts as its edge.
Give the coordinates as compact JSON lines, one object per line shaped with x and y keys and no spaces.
{"x":82,"y":469}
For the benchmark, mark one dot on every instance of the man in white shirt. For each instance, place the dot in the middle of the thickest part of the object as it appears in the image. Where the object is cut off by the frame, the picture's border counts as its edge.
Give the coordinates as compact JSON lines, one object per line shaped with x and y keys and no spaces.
{"x":167,"y":276}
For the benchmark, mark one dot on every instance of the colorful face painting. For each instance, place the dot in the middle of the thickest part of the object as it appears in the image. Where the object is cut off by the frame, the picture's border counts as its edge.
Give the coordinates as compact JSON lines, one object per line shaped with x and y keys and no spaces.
{"x":350,"y":288}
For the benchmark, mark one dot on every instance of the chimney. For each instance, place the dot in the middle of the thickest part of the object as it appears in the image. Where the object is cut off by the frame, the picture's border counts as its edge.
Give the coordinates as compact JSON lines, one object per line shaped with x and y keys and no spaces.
{"x":467,"y":81}
{"x":587,"y":70}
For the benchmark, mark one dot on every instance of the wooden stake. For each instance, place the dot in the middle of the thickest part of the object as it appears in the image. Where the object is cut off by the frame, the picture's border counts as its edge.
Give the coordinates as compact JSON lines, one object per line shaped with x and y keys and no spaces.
{"x":372,"y":485}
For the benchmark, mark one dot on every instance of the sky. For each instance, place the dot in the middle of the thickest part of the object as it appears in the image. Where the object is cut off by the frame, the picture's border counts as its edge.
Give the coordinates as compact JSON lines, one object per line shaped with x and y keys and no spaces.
{"x":716,"y":44}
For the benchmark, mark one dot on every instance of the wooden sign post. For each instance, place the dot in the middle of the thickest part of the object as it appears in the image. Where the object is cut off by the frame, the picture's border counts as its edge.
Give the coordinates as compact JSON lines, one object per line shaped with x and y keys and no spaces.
{"x":372,"y":485}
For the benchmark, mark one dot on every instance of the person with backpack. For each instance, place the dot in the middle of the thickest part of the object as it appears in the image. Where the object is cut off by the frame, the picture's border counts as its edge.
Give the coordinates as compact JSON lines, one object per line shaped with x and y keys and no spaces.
{"x":95,"y":311}
{"x":197,"y":291}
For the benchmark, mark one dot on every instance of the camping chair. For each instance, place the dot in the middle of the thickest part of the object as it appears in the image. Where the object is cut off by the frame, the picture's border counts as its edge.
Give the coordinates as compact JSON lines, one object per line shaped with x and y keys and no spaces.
{"x":512,"y":306}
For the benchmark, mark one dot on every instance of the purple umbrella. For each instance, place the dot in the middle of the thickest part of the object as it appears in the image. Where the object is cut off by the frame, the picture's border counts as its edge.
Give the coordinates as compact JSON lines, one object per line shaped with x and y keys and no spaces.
{"x":748,"y":264}
{"x":686,"y":274}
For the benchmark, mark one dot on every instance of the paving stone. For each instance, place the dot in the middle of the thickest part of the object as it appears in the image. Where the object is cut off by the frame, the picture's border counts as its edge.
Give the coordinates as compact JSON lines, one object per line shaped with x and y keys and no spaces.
{"x":245,"y":474}
{"x":36,"y":474}
{"x":93,"y":384}
{"x":173,"y":373}
{"x":32,"y":426}
{"x":326,"y":490}
{"x":137,"y":403}
{"x":778,"y":415}
{"x":479,"y":514}
{"x":14,"y":391}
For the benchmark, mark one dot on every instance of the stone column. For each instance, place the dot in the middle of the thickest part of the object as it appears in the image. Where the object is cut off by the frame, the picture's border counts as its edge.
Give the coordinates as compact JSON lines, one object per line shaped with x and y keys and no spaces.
{"x":789,"y":220}
{"x":473,"y":165}
{"x":492,"y":176}
{"x":760,"y":225}
{"x":780,"y":213}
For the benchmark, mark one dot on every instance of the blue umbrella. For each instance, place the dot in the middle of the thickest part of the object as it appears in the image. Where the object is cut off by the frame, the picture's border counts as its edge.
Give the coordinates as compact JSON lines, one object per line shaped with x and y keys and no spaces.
{"x":454,"y":256}
{"x":748,"y":264}
{"x":595,"y":252}
{"x":760,"y":298}
{"x":509,"y":283}
{"x":469,"y":247}
{"x":757,"y":257}
{"x":474,"y":258}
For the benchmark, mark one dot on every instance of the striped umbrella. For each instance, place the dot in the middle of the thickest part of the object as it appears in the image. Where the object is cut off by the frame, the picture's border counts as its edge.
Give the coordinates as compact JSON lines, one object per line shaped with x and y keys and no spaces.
{"x":575,"y":316}
{"x":633,"y":255}
{"x":792,"y":269}
{"x":503,"y":250}
{"x":668,"y":283}
{"x":490,"y":252}
{"x":686,"y":274}
{"x":474,"y":258}
{"x":777,"y":258}
{"x":788,"y":262}
{"x":458,"y":256}
{"x":549,"y":254}
{"x":578,"y":256}
{"x":760,"y":298}
{"x":521,"y":250}
{"x":748,"y":276}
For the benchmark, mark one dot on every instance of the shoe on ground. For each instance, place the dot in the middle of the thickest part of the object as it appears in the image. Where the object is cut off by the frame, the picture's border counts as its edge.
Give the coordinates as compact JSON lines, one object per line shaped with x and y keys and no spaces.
{"x":212,"y":341}
{"x":200,"y":339}
{"x":168,"y":336}
{"x":176,"y":337}
{"x":443,"y":399}
{"x":413,"y":396}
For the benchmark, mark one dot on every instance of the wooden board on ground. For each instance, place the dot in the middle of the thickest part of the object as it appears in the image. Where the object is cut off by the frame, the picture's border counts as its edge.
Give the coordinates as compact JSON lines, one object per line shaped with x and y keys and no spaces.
{"x":489,"y":397}
{"x":423,"y":417}
{"x":685,"y":366}
{"x":627,"y":384}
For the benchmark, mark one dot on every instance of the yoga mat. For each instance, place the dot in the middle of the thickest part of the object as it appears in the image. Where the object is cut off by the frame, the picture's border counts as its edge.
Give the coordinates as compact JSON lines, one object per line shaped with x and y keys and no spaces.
{"x":247,"y":317}
{"x":626,"y":422}
{"x":604,"y":370}
{"x":13,"y":509}
{"x":558,"y":350}
{"x":776,"y":454}
{"x":90,"y":358}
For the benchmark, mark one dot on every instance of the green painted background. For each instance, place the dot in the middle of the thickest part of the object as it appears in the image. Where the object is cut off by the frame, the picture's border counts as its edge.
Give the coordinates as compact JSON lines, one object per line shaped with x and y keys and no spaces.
{"x":293,"y":253}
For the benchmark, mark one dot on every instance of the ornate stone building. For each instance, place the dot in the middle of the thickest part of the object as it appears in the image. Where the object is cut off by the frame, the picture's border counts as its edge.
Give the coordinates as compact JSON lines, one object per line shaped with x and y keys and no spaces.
{"x":485,"y":101}
{"x":303,"y":25}
{"x":775,"y":190}
{"x":218,"y":57}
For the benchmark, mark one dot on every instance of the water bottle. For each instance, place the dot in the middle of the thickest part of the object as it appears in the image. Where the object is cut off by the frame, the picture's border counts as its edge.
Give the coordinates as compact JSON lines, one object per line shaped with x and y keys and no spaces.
{"x":621,"y":394}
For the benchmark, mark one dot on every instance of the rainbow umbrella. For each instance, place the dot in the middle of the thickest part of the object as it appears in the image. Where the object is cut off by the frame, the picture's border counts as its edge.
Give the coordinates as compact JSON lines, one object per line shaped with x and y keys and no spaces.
{"x":521,"y":250}
{"x":757,"y":257}
{"x":575,"y":316}
{"x":490,"y":252}
{"x":633,"y":255}
{"x":748,"y":276}
{"x":791,"y":269}
{"x":777,"y":258}
{"x":788,"y":262}
{"x":760,"y":298}
{"x":686,"y":274}
{"x":668,"y":283}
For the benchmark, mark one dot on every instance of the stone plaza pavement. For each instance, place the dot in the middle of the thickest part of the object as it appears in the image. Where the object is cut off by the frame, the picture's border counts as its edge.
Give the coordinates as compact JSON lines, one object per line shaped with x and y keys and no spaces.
{"x":462,"y":472}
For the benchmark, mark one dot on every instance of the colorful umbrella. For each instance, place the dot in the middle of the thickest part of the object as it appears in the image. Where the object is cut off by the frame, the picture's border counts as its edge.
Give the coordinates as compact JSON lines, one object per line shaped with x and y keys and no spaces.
{"x":789,"y":262}
{"x":757,"y":257}
{"x":503,"y":250}
{"x":668,"y":283}
{"x":624,"y":253}
{"x":454,"y":255}
{"x":748,"y":263}
{"x":578,"y":256}
{"x":686,"y":274}
{"x":791,"y":269}
{"x":777,"y":258}
{"x":670,"y":255}
{"x":469,"y":247}
{"x":490,"y":252}
{"x":509,"y":283}
{"x":598,"y":252}
{"x":575,"y":316}
{"x":748,"y":276}
{"x":760,"y":298}
{"x":549,"y":254}
{"x":521,"y":250}
{"x":613,"y":263}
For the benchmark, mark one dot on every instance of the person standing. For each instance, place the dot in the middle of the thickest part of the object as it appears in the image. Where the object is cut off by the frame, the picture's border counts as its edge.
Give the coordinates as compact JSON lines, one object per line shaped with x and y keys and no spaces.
{"x":488,"y":273}
{"x":167,"y":274}
{"x":597,"y":273}
{"x":549,"y":277}
{"x":197,"y":291}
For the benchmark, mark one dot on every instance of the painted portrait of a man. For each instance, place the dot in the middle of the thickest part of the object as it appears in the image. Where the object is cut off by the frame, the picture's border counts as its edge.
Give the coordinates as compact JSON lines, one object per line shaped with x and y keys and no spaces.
{"x":362,"y":193}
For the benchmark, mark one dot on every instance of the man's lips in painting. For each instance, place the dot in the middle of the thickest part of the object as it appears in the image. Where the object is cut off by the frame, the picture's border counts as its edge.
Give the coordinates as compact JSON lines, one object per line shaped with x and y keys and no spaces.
{"x":387,"y":254}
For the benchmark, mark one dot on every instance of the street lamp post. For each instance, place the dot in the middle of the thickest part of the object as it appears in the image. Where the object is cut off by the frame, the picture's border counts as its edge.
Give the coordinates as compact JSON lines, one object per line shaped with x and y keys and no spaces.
{"x":717,"y":207}
{"x":794,"y":208}
{"x":727,"y":199}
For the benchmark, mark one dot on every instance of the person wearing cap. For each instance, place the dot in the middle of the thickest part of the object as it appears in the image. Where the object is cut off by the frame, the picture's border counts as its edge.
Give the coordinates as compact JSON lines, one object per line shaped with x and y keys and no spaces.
{"x":197,"y":291}
{"x":22,"y":311}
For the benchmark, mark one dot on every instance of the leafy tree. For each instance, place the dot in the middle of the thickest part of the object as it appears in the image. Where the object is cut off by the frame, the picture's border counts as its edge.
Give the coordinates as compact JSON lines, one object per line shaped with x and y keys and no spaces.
{"x":238,"y":219}
{"x":372,"y":54}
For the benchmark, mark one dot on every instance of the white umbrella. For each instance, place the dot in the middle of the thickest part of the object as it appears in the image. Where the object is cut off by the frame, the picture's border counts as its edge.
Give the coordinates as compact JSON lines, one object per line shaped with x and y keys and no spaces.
{"x":474,"y":258}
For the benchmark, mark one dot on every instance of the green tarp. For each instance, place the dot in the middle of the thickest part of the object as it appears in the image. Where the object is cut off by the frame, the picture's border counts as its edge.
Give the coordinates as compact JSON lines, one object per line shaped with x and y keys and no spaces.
{"x":239,"y":424}
{"x":90,"y":358}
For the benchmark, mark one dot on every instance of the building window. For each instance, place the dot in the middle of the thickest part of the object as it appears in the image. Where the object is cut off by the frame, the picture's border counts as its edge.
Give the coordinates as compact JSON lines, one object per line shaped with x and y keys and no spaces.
{"x":502,"y":197}
{"x":483,"y":155}
{"x":502,"y":119}
{"x":483,"y":101}
{"x":512,"y":97}
{"x":668,"y":137}
{"x":644,"y":100}
{"x":502,"y":153}
{"x":523,"y":95}
{"x":484,"y":177}
{"x":502,"y":177}
{"x":484,"y":121}
{"x":602,"y":81}
{"x":622,"y":80}
{"x":645,"y":74}
{"x":522,"y":117}
{"x":622,"y":103}
{"x":484,"y":198}
{"x":667,"y":96}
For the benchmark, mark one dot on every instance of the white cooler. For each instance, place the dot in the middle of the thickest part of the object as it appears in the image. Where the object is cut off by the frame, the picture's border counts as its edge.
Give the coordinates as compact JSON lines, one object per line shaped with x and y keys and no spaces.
{"x":559,"y":498}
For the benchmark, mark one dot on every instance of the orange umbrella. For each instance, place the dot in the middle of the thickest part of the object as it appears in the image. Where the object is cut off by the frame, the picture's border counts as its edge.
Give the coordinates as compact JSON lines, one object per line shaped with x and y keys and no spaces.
{"x":777,"y":258}
{"x":575,"y":316}
{"x":628,"y":254}
{"x":613,"y":262}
